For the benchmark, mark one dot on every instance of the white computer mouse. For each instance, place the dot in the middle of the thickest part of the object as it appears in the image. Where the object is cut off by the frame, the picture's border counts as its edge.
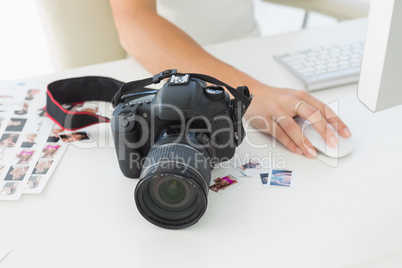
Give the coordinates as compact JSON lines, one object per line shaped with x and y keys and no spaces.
{"x":345,"y":146}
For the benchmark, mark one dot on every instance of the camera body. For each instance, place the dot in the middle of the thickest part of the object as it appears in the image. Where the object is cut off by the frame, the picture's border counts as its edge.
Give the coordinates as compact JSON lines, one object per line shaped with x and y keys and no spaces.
{"x":185,"y":108}
{"x":171,"y":139}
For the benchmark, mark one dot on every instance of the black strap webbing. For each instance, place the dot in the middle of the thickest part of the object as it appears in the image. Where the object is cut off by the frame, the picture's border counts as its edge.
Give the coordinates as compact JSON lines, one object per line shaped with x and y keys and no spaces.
{"x":242,"y":93}
{"x":79,"y":89}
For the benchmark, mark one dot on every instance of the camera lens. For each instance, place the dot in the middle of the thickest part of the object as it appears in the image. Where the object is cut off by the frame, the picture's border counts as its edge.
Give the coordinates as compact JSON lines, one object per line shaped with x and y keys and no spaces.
{"x":173,"y":187}
{"x":171,"y":198}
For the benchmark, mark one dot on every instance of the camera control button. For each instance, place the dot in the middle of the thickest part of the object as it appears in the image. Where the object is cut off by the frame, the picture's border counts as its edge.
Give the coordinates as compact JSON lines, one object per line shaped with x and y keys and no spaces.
{"x":214,"y":92}
{"x":132,"y":104}
{"x":124,"y":122}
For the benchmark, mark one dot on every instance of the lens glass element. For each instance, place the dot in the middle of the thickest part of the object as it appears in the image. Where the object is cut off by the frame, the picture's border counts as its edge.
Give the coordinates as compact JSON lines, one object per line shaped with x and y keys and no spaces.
{"x":171,"y":198}
{"x":172,"y":191}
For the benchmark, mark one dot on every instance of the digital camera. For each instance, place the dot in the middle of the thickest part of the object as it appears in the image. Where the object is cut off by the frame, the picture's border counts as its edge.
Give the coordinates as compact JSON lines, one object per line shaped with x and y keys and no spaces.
{"x":171,"y":139}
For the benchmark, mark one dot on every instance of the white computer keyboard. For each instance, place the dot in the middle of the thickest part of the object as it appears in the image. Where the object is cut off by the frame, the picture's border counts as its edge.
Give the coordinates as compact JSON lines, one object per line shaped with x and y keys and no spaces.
{"x":326,"y":66}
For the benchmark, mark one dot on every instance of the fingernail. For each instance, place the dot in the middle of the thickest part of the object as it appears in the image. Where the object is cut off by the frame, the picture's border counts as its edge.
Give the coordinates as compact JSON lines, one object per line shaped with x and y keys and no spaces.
{"x":311,"y":151}
{"x":333,"y":142}
{"x":298,"y":151}
{"x":347,"y":132}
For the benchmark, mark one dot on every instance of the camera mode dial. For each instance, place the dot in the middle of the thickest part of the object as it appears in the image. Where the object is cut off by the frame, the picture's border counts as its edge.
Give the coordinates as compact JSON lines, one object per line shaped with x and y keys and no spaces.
{"x":214,"y":92}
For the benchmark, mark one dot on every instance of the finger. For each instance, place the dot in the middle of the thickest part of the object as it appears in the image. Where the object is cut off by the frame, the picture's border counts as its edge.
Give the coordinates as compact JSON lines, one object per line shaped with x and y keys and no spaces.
{"x":284,"y":138}
{"x":291,"y":128}
{"x":318,"y":121}
{"x":327,"y":112}
{"x":336,"y":122}
{"x":269,"y":126}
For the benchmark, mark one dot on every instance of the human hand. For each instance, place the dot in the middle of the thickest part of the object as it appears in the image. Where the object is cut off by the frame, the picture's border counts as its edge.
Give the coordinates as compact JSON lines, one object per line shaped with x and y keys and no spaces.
{"x":272,"y":111}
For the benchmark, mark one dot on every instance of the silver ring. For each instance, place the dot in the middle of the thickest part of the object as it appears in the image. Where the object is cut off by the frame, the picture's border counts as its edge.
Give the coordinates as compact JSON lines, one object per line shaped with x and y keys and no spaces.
{"x":298,"y":105}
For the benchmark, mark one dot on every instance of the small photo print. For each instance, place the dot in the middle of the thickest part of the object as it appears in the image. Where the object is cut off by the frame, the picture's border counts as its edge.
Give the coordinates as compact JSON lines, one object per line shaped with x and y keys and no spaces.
{"x":74,"y":136}
{"x":16,"y":173}
{"x":29,"y":140}
{"x":53,"y":139}
{"x":264,"y":179}
{"x":223,"y":183}
{"x":50,"y":150}
{"x":42,"y":167}
{"x":25,"y":156}
{"x":16,"y":124}
{"x":9,"y":140}
{"x":24,"y":109}
{"x":252,"y":164}
{"x":33,"y":182}
{"x":41,"y":112}
{"x":54,"y":135}
{"x":250,"y":168}
{"x":9,"y":188}
{"x":31,"y":94}
{"x":86,"y":107}
{"x":281,"y":178}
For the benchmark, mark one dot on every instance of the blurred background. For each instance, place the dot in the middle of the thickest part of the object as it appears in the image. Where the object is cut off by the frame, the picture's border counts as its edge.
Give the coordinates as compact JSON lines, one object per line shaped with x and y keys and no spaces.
{"x":24,"y":51}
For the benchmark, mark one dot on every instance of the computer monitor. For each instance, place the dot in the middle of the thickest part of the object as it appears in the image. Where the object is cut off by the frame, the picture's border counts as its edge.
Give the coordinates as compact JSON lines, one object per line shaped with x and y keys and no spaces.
{"x":380,"y":84}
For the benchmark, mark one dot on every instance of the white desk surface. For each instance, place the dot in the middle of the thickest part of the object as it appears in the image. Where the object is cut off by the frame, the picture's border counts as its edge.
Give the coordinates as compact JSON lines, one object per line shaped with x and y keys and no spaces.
{"x":334,"y":216}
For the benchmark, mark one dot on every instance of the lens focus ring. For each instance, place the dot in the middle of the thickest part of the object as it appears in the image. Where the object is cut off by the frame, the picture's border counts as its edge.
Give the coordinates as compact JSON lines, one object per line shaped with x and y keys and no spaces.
{"x":177,"y":156}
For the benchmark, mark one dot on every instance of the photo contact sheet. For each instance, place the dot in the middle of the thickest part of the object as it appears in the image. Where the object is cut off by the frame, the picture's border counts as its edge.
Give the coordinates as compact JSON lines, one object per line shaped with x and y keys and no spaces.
{"x":28,"y":154}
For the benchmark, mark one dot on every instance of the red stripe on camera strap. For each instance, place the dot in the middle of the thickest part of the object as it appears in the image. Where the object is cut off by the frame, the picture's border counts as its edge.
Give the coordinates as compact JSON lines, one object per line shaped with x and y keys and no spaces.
{"x":80,"y":89}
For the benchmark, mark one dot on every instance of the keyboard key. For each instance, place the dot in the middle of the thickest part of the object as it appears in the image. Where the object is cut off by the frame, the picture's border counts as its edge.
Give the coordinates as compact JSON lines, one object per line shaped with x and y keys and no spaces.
{"x":321,"y":67}
{"x":332,"y":64}
{"x":325,"y":66}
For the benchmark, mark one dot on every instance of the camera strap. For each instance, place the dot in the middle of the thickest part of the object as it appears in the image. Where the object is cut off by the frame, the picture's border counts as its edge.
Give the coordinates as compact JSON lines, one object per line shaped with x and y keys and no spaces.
{"x":76,"y":90}
{"x":98,"y":88}
{"x":241,"y":94}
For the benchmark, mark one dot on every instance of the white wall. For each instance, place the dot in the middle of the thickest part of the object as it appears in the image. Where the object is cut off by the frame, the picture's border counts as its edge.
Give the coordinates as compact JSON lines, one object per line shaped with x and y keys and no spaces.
{"x":24,"y":51}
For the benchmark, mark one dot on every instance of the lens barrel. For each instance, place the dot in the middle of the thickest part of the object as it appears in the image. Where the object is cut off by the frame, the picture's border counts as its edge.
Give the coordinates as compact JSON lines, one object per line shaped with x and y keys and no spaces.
{"x":173,"y":187}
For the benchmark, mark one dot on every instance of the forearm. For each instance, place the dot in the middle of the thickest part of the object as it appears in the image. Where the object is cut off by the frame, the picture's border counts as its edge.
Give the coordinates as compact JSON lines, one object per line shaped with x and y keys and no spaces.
{"x":158,"y":45}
